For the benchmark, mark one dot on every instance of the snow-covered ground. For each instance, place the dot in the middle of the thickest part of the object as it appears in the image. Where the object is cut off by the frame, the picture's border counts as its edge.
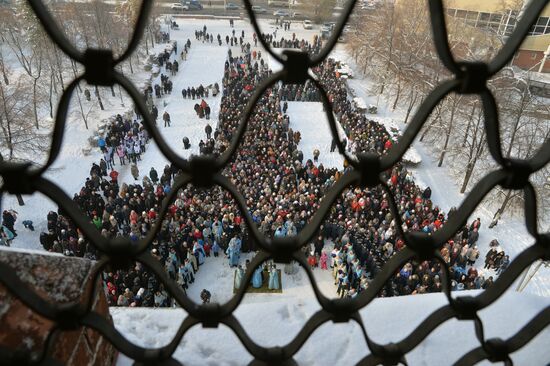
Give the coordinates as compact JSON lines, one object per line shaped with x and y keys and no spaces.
{"x":386,"y":320}
{"x":311,"y":120}
{"x":282,"y":315}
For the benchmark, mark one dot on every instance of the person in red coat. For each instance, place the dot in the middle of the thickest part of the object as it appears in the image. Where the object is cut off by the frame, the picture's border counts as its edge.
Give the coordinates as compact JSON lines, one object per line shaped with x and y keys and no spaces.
{"x":312,"y":260}
{"x":114,"y":176}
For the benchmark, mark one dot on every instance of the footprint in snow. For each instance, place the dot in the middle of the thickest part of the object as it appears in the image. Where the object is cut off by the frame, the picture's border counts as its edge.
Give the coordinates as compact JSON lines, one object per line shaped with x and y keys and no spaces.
{"x":283,"y":312}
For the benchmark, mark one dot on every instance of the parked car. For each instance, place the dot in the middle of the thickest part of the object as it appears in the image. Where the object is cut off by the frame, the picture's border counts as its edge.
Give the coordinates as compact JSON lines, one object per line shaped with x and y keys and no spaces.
{"x":178,"y":7}
{"x":307,"y":24}
{"x":281,"y":13}
{"x":326,"y":30}
{"x":297,"y":15}
{"x":258,"y":9}
{"x":193,"y":5}
{"x":231,"y":6}
{"x":326,"y":27}
{"x":343,"y":69}
{"x":331,"y":24}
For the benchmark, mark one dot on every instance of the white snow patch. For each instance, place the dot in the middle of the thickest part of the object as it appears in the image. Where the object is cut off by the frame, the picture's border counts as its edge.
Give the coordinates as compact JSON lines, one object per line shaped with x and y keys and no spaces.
{"x":310,"y":119}
{"x":386,"y":319}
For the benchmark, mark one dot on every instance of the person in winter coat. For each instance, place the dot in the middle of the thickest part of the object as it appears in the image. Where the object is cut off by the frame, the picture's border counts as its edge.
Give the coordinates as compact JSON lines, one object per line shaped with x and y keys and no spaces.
{"x":113,"y":222}
{"x":318,"y":245}
{"x":153,"y":175}
{"x":208,"y":130}
{"x":215,"y":248}
{"x":6,"y":236}
{"x":323,"y":260}
{"x":134,"y":171}
{"x":161,"y":299}
{"x":503,"y":265}
{"x":103,"y":167}
{"x":129,"y":151}
{"x":114,"y":176}
{"x":186,"y":144}
{"x":473,"y":237}
{"x":137,"y":151}
{"x":193,"y":260}
{"x":97,"y":222}
{"x":312,"y":260}
{"x":205,"y":296}
{"x":473,"y":254}
{"x":154,"y":113}
{"x":121,"y":154}
{"x":122,"y":300}
{"x":166,"y":119}
{"x":316,"y":154}
{"x":107,"y":157}
{"x":8,"y":220}
{"x":101,"y":143}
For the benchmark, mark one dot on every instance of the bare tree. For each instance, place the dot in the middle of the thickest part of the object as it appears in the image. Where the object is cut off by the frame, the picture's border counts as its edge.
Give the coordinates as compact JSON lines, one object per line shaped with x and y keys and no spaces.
{"x":474,"y":144}
{"x":24,"y":37}
{"x":3,"y":68}
{"x":318,"y":10}
{"x":19,"y":137}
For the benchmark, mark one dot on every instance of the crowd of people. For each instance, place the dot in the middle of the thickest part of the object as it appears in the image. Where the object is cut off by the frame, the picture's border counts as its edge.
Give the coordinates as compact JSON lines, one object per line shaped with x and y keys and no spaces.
{"x":282,"y":193}
{"x":200,"y":91}
{"x":312,"y":47}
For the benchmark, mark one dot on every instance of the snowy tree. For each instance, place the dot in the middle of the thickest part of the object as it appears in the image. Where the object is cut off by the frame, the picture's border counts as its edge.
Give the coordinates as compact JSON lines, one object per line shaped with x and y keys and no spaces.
{"x":25,"y":38}
{"x":393,"y":46}
{"x":19,"y":139}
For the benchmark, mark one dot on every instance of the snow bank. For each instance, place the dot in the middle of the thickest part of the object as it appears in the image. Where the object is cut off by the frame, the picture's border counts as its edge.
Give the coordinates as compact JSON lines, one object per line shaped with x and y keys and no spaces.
{"x":386,"y":320}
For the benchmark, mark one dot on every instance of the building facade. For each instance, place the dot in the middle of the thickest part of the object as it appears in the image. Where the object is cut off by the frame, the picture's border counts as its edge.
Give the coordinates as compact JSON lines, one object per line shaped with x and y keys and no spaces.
{"x":500,"y":17}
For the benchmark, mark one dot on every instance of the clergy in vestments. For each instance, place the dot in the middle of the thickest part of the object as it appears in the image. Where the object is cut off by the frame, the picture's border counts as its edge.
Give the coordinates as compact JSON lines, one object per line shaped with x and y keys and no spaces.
{"x":257,"y":278}
{"x":273,"y":278}
{"x":239,"y":274}
{"x":233,"y":254}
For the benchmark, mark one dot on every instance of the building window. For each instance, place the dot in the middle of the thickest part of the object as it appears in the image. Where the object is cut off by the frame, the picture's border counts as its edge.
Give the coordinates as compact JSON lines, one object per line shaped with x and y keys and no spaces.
{"x":451,"y":12}
{"x":538,"y":30}
{"x":496,"y":18}
{"x":484,"y":16}
{"x":461,"y":14}
{"x":500,"y":23}
{"x":542,"y":21}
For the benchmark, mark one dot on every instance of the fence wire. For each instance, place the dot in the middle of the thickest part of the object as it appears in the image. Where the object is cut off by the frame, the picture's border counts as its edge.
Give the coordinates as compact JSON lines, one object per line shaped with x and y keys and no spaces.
{"x":205,"y":172}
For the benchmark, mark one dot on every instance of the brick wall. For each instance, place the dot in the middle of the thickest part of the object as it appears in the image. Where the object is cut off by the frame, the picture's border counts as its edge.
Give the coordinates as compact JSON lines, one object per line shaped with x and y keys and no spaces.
{"x":530,"y":60}
{"x":56,"y":279}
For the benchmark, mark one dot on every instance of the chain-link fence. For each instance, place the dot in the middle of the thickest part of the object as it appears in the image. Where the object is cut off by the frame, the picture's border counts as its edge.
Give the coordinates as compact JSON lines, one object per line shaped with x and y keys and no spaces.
{"x":205,"y":172}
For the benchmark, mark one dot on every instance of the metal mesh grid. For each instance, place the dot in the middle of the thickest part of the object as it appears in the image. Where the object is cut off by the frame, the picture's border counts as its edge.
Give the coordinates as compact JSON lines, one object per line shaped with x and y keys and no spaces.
{"x":205,"y":172}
